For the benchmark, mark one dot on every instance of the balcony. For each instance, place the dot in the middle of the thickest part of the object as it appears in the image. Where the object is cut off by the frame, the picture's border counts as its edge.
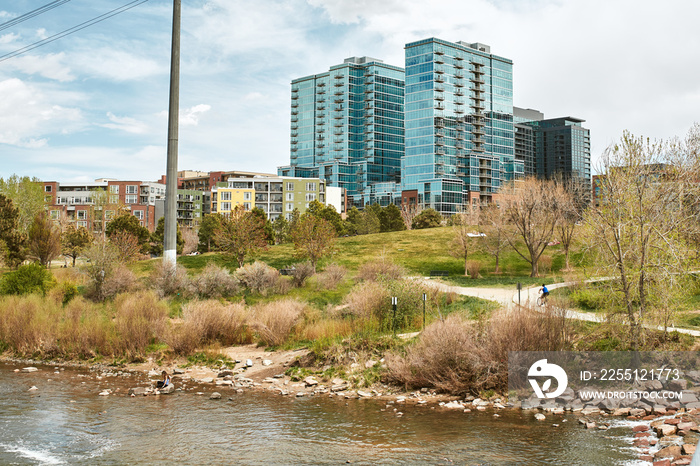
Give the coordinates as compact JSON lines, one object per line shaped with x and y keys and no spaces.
{"x":294,"y":141}
{"x":439,"y":97}
{"x":440,"y":133}
{"x":459,"y":75}
{"x":459,"y":145}
{"x":439,"y":88}
{"x":439,"y":123}
{"x":295,"y":119}
{"x":338,"y":100}
{"x":439,"y":107}
{"x":295,"y":112}
{"x":339,"y":84}
{"x":439,"y":141}
{"x":295,"y":104}
{"x":439,"y":52}
{"x":439,"y":79}
{"x":477,"y":80}
{"x":439,"y":69}
{"x":458,"y":65}
{"x":338,"y":76}
{"x":459,"y":93}
{"x":440,"y":150}
{"x":439,"y":59}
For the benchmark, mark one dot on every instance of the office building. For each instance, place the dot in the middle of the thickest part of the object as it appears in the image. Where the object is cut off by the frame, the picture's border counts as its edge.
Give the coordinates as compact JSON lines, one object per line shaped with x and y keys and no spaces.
{"x":459,"y":124}
{"x":347,"y":128}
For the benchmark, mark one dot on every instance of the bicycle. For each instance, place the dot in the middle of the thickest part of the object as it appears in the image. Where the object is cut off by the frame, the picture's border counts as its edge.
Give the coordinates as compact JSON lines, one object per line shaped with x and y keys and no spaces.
{"x":542,"y":300}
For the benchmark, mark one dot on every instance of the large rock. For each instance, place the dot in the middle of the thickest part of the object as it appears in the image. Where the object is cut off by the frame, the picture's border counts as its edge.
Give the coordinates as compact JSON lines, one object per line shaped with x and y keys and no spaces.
{"x":223,"y":374}
{"x":665,"y":430}
{"x":167,"y":390}
{"x":452,"y":405}
{"x":674,"y":451}
{"x":29,"y":369}
{"x":136,"y":391}
{"x":609,"y":404}
{"x":215,"y":396}
{"x":688,"y":397}
{"x":689,"y":449}
{"x":310,"y":381}
{"x":677,"y":385}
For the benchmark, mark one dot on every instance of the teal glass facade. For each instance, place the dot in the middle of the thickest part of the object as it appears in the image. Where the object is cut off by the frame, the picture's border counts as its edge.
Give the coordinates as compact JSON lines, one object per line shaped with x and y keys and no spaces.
{"x":459,"y":124}
{"x":347,"y":127}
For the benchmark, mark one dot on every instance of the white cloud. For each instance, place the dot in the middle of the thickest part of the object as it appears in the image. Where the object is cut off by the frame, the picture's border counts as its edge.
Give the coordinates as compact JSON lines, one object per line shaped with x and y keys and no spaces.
{"x":41,"y":33}
{"x":115,"y":65}
{"x":130,"y":125}
{"x":8,"y":38}
{"x":51,"y":66}
{"x":189,"y":116}
{"x":28,"y":115}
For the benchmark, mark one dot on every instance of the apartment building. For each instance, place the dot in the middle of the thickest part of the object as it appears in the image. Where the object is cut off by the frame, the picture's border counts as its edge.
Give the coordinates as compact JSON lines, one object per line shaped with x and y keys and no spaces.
{"x":347,"y":127}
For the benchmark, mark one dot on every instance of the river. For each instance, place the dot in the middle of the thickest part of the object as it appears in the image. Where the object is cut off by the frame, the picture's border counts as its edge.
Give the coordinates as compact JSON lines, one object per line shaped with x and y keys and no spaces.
{"x":65,"y":421}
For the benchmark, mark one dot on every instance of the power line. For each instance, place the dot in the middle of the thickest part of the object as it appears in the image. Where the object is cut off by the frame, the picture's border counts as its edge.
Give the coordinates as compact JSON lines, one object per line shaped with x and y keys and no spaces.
{"x":33,"y":13}
{"x":72,"y":30}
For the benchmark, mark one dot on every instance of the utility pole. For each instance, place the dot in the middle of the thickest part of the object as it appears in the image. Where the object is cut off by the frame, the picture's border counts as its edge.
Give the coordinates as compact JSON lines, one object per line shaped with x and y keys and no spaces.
{"x":170,"y":232}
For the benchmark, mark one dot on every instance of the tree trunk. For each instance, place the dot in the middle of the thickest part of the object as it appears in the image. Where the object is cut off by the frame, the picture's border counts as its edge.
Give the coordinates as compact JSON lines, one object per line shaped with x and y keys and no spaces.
{"x":466,"y":271}
{"x":497,"y":271}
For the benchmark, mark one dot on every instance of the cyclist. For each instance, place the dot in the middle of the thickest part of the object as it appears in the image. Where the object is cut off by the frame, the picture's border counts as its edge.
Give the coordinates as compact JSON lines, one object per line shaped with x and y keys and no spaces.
{"x":544,"y":293}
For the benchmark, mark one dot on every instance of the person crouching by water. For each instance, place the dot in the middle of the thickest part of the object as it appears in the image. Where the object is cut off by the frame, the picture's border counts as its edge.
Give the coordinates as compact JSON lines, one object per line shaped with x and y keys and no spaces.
{"x":165,"y":382}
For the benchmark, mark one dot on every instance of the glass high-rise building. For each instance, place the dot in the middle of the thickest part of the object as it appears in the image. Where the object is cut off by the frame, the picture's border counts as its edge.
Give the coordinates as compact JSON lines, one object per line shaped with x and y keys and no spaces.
{"x":347,"y":127}
{"x":554,"y":148}
{"x":459,"y":124}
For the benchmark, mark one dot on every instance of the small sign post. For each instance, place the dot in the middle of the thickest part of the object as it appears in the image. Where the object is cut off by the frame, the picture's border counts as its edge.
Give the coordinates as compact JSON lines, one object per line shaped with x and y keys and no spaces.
{"x":520,"y":287}
{"x":394,"y":301}
{"x":425,"y":298}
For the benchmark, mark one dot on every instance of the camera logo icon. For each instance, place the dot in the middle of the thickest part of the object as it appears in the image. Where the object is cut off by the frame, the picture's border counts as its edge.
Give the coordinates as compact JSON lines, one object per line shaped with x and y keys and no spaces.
{"x":541,"y":369}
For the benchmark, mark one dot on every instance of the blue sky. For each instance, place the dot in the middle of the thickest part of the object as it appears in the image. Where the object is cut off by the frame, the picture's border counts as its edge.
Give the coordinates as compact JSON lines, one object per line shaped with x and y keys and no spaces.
{"x":94,"y":104}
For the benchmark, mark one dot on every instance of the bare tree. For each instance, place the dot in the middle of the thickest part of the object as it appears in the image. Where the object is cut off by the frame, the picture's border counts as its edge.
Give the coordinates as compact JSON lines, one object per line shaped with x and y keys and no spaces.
{"x":570,"y":214}
{"x":409,"y":212}
{"x":189,"y":234}
{"x":465,"y":226}
{"x":532,"y":209}
{"x":639,"y":233}
{"x":494,"y":224}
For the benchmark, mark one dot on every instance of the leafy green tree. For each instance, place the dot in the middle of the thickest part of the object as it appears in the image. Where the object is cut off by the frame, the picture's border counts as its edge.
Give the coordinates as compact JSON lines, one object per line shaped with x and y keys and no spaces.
{"x":280,"y":230}
{"x":74,"y":241}
{"x":12,"y":239}
{"x":241,"y":234}
{"x":329,"y":214}
{"x":352,"y":220}
{"x":207,"y":230}
{"x":313,"y":238}
{"x":368,"y":223}
{"x":27,"y":195}
{"x":429,"y":218}
{"x":391,"y":220}
{"x":44,"y":242}
{"x":158,"y":237}
{"x":269,"y":234}
{"x":130,"y":224}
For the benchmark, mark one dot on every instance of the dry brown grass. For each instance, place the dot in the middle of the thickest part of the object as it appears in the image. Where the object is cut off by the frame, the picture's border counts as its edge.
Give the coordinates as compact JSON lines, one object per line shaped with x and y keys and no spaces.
{"x":169,"y":281}
{"x":259,"y":277}
{"x":274,"y":321}
{"x":380,"y":268}
{"x":458,"y":356}
{"x":214,"y":282}
{"x":332,"y":276}
{"x":120,"y":280}
{"x":140,"y":318}
{"x":302,"y":271}
{"x":367,"y":299}
{"x":473,"y":268}
{"x":544,"y":265}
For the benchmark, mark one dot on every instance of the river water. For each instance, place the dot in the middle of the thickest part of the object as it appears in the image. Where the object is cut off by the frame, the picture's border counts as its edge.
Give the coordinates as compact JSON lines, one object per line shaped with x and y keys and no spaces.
{"x":64,"y":421}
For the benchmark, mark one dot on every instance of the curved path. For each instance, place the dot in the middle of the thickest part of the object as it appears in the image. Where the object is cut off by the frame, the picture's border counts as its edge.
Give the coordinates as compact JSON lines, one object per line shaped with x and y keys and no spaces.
{"x":509,"y":298}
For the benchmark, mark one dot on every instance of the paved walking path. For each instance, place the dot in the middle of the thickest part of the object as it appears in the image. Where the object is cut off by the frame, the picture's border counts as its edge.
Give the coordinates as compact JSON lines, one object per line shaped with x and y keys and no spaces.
{"x":509,"y":298}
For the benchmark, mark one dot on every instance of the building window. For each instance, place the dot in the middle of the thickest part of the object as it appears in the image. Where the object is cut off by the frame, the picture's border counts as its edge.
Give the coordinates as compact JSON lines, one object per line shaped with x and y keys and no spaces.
{"x":310,"y":197}
{"x":225,"y":206}
{"x":82,"y":214}
{"x":290,"y":186}
{"x":47,"y":188}
{"x":131,"y":199}
{"x":55,"y":214}
{"x":246,"y":205}
{"x":114,"y":189}
{"x":246,"y":196}
{"x":113,"y":199}
{"x":311,"y":186}
{"x":225,"y":196}
{"x":138,"y":214}
{"x":290,"y":196}
{"x":290,"y":206}
{"x":131,"y":189}
{"x":82,"y":223}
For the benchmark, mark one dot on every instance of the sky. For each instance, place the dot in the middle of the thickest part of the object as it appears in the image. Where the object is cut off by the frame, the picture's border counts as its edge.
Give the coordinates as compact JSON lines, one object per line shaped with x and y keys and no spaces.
{"x":94,"y":104}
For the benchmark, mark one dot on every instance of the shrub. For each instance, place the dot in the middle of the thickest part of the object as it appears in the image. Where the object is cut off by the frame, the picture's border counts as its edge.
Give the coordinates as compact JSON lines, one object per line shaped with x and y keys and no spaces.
{"x":214,"y":282}
{"x":274,"y":321}
{"x":448,"y":357}
{"x":544,"y":265}
{"x":301,"y":272}
{"x":367,"y":300}
{"x":380,"y":268}
{"x":331,"y":277}
{"x":258,"y":277}
{"x":28,"y":324}
{"x":120,"y":280}
{"x":30,"y":278}
{"x":139,"y":318}
{"x":168,"y":280}
{"x":85,"y":331}
{"x":64,"y":292}
{"x":207,"y":322}
{"x":473,"y":268}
